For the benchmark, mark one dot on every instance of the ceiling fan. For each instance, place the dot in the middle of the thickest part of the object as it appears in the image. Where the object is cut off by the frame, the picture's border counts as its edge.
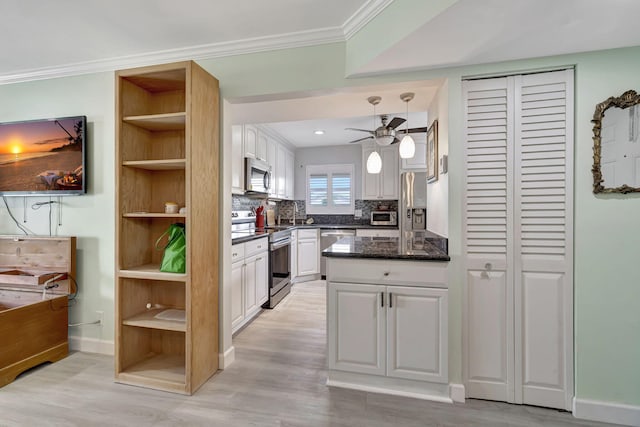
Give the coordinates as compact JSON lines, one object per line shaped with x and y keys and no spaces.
{"x":385,"y":134}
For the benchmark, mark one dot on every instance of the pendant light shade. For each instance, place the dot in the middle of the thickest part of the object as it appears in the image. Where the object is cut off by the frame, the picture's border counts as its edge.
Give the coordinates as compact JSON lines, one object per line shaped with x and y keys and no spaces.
{"x":374,"y":163}
{"x":407,"y":147}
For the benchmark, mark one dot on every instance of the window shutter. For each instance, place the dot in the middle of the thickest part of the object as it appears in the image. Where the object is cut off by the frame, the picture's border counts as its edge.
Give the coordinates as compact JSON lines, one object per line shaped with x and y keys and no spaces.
{"x":318,"y":190}
{"x":341,"y":189}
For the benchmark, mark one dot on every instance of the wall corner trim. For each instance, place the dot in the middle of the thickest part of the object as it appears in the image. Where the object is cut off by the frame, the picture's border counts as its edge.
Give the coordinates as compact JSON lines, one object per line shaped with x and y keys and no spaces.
{"x":227,"y":358}
{"x":457,"y":393}
{"x":610,"y":412}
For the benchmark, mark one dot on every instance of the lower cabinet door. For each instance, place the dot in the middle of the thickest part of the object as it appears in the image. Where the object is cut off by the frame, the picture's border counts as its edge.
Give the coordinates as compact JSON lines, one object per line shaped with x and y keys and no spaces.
{"x":417,"y":333}
{"x":262,"y":278}
{"x":308,"y":260}
{"x":250,"y":283}
{"x":237,"y":293}
{"x":356,"y":328}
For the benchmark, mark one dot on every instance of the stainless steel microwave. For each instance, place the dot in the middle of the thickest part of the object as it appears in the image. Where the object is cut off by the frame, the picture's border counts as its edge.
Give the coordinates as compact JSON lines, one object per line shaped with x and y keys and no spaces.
{"x":384,"y":218}
{"x":257,"y":176}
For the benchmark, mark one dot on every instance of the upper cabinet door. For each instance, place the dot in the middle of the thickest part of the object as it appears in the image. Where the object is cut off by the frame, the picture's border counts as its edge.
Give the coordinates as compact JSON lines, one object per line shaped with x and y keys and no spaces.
{"x":389,"y":174}
{"x":272,"y":153}
{"x":261,"y":147}
{"x":250,"y":141}
{"x":289,"y":176}
{"x":419,"y":159}
{"x":237,"y":160}
{"x":281,"y":172}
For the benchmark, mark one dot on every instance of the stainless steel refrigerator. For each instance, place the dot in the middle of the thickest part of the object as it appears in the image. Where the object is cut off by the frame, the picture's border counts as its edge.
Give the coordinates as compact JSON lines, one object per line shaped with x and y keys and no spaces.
{"x":413,"y":210}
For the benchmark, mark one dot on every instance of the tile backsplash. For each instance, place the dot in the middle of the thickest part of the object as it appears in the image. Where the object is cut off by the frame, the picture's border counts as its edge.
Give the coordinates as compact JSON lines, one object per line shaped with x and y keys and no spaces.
{"x":285,"y":210}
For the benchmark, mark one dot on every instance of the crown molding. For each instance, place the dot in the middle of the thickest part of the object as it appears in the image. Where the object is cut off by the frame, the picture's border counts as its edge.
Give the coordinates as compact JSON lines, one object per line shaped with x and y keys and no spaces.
{"x":363,"y":16}
{"x":208,"y":51}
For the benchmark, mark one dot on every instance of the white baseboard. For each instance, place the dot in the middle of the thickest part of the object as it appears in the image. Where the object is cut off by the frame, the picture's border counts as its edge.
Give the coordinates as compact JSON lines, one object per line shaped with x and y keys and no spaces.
{"x":227,"y":358}
{"x":91,"y":345}
{"x":456,"y":391}
{"x":609,"y":412}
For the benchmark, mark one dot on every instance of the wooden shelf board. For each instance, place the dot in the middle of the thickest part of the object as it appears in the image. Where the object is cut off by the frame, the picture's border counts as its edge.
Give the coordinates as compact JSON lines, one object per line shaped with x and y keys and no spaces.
{"x":152,"y":272}
{"x":159,"y":371}
{"x":168,"y":164}
{"x":152,"y":215}
{"x":158,"y":122}
{"x":147,"y":319}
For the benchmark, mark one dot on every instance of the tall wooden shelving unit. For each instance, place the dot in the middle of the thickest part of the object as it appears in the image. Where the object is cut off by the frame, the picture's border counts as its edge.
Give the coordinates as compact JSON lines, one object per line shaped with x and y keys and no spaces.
{"x":167,"y":132}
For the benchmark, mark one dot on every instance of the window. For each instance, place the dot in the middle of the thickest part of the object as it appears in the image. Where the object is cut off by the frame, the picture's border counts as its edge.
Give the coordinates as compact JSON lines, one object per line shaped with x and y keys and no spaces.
{"x":330,"y":189}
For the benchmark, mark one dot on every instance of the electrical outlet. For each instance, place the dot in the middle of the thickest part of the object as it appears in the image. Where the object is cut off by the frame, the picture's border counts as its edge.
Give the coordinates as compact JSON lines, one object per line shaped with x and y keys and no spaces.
{"x":357,"y":213}
{"x":100,"y":315}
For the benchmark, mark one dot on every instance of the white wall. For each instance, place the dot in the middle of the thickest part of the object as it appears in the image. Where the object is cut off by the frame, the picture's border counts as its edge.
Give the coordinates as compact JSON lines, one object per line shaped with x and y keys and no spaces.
{"x":438,"y":191}
{"x":334,"y":154}
{"x":90,"y":217}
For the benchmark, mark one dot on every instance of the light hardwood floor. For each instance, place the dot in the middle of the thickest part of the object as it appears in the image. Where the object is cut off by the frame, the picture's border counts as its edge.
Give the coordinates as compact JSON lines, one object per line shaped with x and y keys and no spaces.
{"x":277,"y":380}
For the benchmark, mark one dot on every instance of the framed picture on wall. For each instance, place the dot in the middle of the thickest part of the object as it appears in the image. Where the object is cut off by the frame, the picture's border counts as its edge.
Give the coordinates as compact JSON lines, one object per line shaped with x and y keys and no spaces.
{"x":432,"y":152}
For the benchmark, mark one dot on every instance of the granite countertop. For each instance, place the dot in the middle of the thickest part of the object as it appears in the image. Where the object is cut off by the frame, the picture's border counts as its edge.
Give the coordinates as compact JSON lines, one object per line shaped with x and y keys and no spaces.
{"x":241,"y":237}
{"x":382,"y":248}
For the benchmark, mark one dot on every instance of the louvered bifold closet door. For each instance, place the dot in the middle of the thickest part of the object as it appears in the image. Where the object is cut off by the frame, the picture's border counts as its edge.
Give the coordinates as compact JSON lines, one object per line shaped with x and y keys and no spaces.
{"x":543,"y":237}
{"x":488,"y":242}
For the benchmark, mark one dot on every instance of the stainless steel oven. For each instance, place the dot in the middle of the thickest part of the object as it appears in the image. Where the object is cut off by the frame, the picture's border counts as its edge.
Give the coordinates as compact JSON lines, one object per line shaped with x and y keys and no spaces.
{"x":279,"y":266}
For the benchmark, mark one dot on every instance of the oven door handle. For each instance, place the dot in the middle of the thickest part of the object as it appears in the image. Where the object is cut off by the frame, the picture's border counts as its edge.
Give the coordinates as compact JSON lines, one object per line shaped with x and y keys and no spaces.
{"x":280,"y":244}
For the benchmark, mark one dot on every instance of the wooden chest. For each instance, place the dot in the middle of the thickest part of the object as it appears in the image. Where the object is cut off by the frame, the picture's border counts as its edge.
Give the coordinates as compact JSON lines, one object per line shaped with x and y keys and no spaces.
{"x":33,"y":320}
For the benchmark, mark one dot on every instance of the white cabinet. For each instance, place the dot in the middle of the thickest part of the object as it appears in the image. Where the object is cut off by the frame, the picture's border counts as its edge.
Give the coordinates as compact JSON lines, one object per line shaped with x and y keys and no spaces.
{"x":387,"y":326}
{"x":373,"y":232}
{"x":419,"y":159}
{"x":356,"y":323}
{"x":249,"y":280}
{"x":294,"y":255}
{"x":272,"y":152}
{"x":289,"y":178}
{"x":255,"y":144}
{"x":237,"y":161}
{"x":280,"y":172}
{"x":308,"y":252}
{"x":383,"y":185}
{"x":392,"y":331}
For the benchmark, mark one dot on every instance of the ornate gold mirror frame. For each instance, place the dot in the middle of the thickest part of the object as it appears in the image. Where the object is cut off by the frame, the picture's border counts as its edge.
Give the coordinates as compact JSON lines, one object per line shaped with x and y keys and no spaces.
{"x":626,"y":100}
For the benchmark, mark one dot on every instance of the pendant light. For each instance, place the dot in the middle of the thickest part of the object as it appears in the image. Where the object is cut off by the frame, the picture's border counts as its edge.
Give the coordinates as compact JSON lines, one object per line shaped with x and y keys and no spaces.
{"x":407,"y":147}
{"x":374,"y":161}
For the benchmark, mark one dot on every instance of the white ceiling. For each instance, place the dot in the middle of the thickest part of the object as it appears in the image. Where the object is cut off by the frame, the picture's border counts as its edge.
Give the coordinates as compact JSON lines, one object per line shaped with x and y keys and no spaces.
{"x":485,"y":31}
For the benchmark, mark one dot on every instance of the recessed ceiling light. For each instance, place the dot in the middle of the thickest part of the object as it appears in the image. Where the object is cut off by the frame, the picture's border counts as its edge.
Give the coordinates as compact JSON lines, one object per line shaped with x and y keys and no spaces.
{"x":318,"y":132}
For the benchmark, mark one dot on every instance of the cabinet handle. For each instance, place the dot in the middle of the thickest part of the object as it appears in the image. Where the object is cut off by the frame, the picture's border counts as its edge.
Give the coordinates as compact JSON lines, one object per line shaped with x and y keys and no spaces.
{"x":258,"y":259}
{"x":390,"y":300}
{"x":386,"y":273}
{"x":381,"y":299}
{"x":234,"y":254}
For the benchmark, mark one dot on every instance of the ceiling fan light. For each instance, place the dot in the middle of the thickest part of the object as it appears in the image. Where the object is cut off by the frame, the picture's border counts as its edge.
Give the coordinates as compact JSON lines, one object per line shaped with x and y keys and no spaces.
{"x":374,"y":163}
{"x":385,"y":139}
{"x":407,"y":147}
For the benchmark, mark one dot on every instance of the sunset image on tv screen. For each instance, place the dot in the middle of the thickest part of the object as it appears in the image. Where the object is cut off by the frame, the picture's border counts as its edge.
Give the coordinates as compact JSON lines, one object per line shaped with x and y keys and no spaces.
{"x":42,"y":156}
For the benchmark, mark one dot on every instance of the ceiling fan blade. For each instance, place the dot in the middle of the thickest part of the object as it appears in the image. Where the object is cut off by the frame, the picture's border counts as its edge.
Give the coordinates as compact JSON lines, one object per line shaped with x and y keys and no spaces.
{"x":397,"y":121}
{"x":361,"y":130}
{"x":361,"y":139}
{"x":395,"y":141}
{"x":418,"y":130}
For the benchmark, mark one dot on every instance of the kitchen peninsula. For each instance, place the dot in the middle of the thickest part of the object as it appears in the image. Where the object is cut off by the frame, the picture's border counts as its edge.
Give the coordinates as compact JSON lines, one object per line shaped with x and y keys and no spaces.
{"x":387,"y":317}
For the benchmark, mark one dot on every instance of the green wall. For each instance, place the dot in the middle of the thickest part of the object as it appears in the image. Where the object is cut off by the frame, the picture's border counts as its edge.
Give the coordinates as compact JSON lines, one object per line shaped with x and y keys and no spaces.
{"x":607,"y":291}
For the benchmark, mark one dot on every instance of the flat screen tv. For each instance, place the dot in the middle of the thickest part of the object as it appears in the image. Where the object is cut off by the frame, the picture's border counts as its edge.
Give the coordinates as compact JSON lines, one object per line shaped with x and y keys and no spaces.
{"x":43,"y":157}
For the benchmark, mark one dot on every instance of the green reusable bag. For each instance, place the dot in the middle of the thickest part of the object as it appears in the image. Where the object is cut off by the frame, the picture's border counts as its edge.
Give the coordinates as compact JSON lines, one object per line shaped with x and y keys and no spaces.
{"x":174,"y":257}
